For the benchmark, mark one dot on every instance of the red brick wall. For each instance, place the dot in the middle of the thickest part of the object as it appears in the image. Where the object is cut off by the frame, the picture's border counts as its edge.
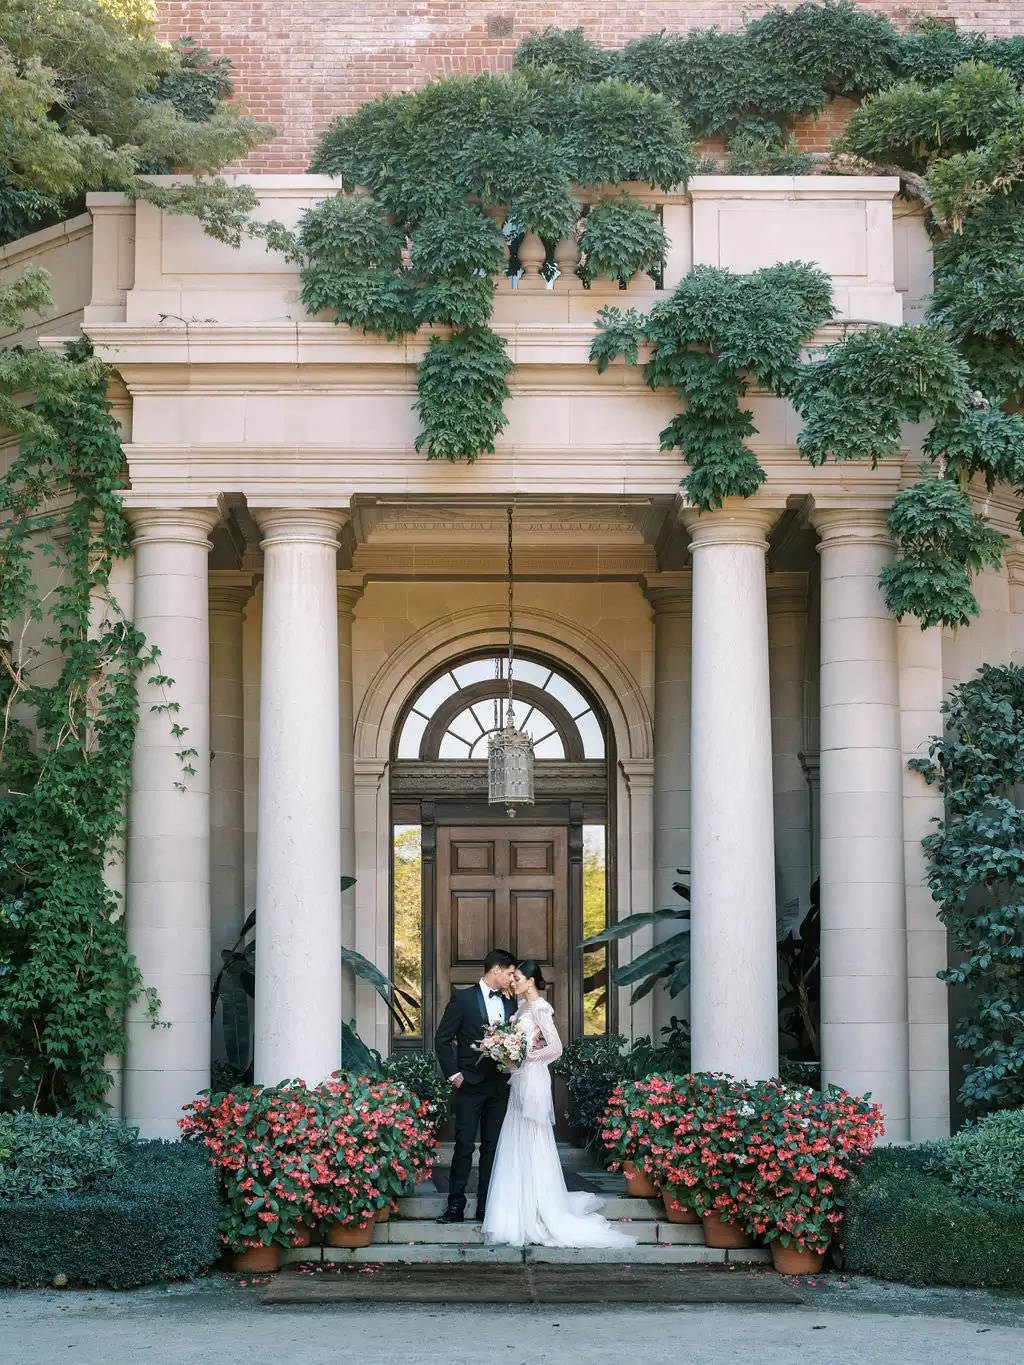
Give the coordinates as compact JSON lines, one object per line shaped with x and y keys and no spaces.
{"x":300,"y":63}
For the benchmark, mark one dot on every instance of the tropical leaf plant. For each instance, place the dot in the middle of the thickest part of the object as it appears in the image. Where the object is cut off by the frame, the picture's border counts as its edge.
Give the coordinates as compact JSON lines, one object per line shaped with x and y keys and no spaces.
{"x":668,"y":961}
{"x":234,"y":990}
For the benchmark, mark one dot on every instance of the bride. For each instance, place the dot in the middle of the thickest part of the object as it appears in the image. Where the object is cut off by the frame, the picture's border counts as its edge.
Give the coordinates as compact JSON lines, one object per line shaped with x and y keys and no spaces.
{"x":527,"y":1201}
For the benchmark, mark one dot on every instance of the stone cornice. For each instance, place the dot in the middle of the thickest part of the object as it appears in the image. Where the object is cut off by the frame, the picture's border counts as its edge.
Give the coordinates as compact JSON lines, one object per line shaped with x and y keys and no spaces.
{"x":162,"y":355}
{"x":303,"y":476}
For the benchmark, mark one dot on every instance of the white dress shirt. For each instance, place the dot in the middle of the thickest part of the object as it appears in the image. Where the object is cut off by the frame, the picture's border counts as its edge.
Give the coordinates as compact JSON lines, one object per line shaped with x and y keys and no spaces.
{"x":495,"y":1004}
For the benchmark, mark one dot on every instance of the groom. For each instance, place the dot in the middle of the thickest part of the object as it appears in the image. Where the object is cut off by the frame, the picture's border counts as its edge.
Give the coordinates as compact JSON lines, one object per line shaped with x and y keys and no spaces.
{"x":481,"y":1088}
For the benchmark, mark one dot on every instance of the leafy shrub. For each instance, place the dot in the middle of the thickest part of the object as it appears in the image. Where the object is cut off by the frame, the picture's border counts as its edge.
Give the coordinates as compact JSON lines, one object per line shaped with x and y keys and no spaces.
{"x":153,"y":1218}
{"x":418,"y":1072}
{"x":43,"y":1154}
{"x":592,"y":1068}
{"x":986,"y":1159}
{"x":620,"y":238}
{"x":906,"y":1223}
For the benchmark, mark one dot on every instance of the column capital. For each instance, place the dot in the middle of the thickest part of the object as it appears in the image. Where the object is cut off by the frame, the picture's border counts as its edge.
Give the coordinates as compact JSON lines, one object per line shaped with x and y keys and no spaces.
{"x":733,"y":524}
{"x":229,"y":589}
{"x":852,"y":526}
{"x":295,"y":525}
{"x":351,"y":586}
{"x":1014,"y":557}
{"x":787,"y":594}
{"x":669,"y":593}
{"x":178,"y":525}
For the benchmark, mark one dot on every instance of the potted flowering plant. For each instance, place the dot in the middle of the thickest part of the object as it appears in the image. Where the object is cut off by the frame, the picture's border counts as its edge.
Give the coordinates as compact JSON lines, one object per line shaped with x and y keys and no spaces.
{"x":380,"y":1138}
{"x":634,"y":1129}
{"x":673,"y":1148}
{"x":805,"y":1146}
{"x":262,"y":1141}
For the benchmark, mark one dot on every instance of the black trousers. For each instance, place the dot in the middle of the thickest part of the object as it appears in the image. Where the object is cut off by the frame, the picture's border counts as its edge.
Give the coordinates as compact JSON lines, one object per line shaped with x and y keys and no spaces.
{"x":479,"y":1109}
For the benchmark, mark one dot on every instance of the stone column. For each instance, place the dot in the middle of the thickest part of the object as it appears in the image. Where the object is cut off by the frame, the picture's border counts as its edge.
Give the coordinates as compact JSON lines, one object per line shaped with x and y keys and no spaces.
{"x":229,"y":592}
{"x":298,"y":864}
{"x":863,"y":919}
{"x":787,"y":642}
{"x":350,"y":589}
{"x":733,"y":990}
{"x":168,"y":880}
{"x":670,"y":596}
{"x":921,"y":693}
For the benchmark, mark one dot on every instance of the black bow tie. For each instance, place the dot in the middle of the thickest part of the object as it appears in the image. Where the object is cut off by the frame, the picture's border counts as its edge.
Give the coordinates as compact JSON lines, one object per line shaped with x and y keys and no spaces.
{"x":494,"y":994}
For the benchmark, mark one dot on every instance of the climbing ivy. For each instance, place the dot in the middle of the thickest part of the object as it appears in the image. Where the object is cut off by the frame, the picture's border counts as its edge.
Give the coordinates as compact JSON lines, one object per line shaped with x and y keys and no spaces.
{"x":717,"y":334}
{"x":69,"y":708}
{"x":976,"y":872}
{"x":438,"y":169}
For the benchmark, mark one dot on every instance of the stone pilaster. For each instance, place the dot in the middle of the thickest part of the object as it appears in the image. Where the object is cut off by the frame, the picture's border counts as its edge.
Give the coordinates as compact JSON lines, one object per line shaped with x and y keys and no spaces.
{"x":863,"y":917}
{"x":670,"y":595}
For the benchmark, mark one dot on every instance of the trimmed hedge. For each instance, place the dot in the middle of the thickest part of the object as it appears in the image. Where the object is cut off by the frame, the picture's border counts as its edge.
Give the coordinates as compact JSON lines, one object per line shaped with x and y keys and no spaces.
{"x":905,"y":1223}
{"x":154,"y":1219}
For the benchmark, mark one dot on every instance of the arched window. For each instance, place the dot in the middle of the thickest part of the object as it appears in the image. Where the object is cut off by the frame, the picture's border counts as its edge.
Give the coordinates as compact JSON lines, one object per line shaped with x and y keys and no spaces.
{"x":453,"y":715}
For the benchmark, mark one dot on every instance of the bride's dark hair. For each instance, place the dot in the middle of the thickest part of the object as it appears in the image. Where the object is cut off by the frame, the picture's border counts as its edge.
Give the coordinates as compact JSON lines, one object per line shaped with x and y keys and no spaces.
{"x":531,"y":968}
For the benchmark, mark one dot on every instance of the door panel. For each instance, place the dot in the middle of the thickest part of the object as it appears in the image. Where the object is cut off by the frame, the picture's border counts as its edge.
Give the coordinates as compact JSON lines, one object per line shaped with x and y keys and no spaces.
{"x":501,"y":888}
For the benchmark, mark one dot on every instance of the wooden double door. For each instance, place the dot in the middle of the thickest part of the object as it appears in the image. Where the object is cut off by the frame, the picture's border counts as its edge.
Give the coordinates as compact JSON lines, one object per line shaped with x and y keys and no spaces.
{"x":501,"y":887}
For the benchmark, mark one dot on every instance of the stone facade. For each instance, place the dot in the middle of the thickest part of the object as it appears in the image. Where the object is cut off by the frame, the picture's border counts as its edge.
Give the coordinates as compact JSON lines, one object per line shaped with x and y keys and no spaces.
{"x":304,"y":572}
{"x":299,"y":64}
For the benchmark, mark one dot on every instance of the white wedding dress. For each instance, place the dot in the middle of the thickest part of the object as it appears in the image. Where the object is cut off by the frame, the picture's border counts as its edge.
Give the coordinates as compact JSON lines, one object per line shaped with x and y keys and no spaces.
{"x":527,"y":1202}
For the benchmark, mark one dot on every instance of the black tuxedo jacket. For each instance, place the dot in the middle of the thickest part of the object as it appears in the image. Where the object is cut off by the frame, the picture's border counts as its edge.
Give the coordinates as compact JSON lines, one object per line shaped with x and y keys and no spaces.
{"x":463,"y":1024}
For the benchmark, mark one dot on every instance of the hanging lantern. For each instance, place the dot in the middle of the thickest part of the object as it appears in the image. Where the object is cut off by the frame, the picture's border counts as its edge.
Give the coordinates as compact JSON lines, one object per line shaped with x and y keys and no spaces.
{"x":509,"y":749}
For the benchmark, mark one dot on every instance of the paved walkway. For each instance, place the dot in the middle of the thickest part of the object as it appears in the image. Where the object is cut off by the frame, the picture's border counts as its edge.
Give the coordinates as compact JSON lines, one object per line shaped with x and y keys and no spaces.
{"x":215,"y":1321}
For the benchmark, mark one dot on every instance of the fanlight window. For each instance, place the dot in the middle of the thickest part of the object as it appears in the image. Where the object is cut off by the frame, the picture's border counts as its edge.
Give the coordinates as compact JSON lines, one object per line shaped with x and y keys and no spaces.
{"x":454,"y":714}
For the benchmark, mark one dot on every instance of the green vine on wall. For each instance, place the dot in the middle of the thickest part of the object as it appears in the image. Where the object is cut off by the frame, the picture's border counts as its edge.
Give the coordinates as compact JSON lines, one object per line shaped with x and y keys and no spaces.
{"x":976,"y":872}
{"x":69,"y":710}
{"x":440,"y":169}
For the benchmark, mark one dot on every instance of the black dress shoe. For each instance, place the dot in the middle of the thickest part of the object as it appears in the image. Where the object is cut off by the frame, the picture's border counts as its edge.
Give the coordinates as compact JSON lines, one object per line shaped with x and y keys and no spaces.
{"x":451,"y":1215}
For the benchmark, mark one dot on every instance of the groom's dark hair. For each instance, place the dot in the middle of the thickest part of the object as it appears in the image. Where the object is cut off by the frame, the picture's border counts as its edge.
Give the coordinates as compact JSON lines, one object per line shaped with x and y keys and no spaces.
{"x":497,"y":957}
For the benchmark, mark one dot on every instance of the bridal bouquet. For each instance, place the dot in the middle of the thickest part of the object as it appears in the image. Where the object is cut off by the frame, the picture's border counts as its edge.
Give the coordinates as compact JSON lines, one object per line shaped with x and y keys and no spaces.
{"x":504,"y":1045}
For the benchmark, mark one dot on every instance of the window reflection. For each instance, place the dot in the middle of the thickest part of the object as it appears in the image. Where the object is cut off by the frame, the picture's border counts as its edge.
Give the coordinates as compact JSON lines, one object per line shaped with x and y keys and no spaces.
{"x":595,"y":918}
{"x":407,"y":951}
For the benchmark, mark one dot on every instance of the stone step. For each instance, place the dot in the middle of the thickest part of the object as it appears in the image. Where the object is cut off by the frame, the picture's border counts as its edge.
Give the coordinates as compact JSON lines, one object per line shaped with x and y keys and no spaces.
{"x":572,"y":1158}
{"x":431,"y":1205}
{"x":418,"y":1253}
{"x":425,"y":1231}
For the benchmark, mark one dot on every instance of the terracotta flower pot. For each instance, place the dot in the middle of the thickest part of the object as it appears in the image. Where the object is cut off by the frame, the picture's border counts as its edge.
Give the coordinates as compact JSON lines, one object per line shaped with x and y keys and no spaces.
{"x":718,"y":1233}
{"x":382,"y":1215}
{"x":638,"y":1183}
{"x":256,"y":1259}
{"x":350,"y":1234}
{"x":676,"y":1212}
{"x":792,"y":1261}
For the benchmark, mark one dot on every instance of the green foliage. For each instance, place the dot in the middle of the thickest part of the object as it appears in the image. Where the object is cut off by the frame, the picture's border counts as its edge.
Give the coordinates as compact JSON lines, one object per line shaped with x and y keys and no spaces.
{"x":566,"y":51}
{"x":976,"y":870}
{"x":66,"y":760}
{"x":942,"y":543}
{"x":841,"y":47}
{"x":986,"y":1159}
{"x":92,"y":100}
{"x":906,"y":1224}
{"x":717,"y":334}
{"x":620,"y":238}
{"x":593,"y":1066}
{"x":463,"y":384}
{"x":154,"y":1218}
{"x":760,"y":147}
{"x":854,"y":398}
{"x":46,"y":1154}
{"x":914,"y":124}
